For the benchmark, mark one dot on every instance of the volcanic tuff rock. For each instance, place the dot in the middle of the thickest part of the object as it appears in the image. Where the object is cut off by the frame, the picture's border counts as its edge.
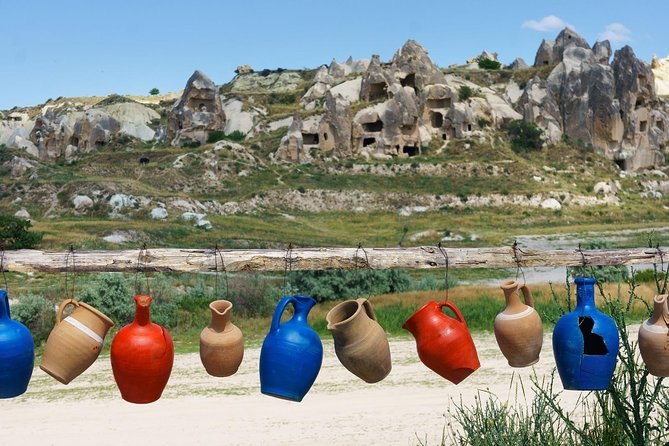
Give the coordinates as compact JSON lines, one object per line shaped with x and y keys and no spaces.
{"x":550,"y":53}
{"x":198,"y":112}
{"x":661,"y":71}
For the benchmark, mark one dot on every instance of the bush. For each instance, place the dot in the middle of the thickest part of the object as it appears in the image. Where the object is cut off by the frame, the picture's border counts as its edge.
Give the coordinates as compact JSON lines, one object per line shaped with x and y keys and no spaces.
{"x":236,"y":136}
{"x":487,"y":64}
{"x":15,"y":234}
{"x":252,"y":295}
{"x":36,"y":313}
{"x":525,"y":136}
{"x":215,"y":136}
{"x":110,"y":293}
{"x":465,"y":92}
{"x":344,"y":284}
{"x":154,"y":92}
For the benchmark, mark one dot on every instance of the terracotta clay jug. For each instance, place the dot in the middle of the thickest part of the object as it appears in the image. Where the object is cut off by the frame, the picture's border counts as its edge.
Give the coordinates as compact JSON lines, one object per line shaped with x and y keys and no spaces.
{"x":75,"y":342}
{"x":292,"y":352}
{"x":142,"y":355}
{"x":17,"y":353}
{"x":360,"y":342}
{"x":518,"y":327}
{"x":654,"y":338}
{"x":444,"y":343}
{"x":585,"y":342}
{"x":221,"y":342}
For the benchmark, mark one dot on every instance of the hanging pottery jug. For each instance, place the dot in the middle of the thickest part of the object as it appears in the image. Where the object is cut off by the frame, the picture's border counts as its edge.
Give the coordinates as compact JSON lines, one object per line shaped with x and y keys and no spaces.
{"x":221,"y":343}
{"x":585,"y":342}
{"x":292,"y":352}
{"x":518,"y":327}
{"x":654,"y":338}
{"x":75,"y":342}
{"x":444,"y":343}
{"x":360,"y":342}
{"x":142,"y":355}
{"x":17,"y":353}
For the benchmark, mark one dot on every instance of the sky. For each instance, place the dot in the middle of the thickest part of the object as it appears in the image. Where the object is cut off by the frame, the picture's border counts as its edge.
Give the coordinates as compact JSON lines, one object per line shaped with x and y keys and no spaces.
{"x":85,"y":48}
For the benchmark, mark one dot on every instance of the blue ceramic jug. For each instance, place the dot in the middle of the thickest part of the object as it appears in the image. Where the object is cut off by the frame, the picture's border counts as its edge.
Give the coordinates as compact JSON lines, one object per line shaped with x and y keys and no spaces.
{"x":292,"y":352}
{"x":585,"y":342}
{"x":17,"y":353}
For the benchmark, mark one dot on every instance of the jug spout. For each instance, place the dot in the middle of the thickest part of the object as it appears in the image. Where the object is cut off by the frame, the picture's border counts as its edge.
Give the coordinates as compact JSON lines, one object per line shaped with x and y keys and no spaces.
{"x":303,"y":304}
{"x":4,"y":305}
{"x":347,"y":321}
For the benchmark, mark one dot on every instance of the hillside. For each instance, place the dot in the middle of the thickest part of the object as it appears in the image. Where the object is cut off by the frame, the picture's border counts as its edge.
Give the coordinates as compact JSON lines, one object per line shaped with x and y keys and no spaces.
{"x":371,"y":152}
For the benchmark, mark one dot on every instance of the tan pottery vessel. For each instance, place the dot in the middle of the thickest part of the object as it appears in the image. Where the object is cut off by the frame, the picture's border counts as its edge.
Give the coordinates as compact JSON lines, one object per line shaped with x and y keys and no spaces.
{"x":221,"y":342}
{"x":360,"y":342}
{"x":518,"y":327}
{"x":75,"y":342}
{"x":654,"y":338}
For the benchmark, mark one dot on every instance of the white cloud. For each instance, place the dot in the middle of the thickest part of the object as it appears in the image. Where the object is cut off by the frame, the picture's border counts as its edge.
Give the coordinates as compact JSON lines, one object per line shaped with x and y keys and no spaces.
{"x":616,"y":33}
{"x":548,"y":23}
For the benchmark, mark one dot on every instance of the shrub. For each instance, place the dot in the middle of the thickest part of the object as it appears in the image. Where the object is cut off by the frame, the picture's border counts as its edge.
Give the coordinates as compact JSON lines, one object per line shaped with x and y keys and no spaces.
{"x":487,"y":64}
{"x":343,"y":284}
{"x":282,"y":98}
{"x":236,"y":136}
{"x":525,"y":136}
{"x":36,"y":313}
{"x":215,"y":136}
{"x":252,"y":295}
{"x":465,"y":92}
{"x":15,"y":234}
{"x":112,"y":294}
{"x":154,"y":92}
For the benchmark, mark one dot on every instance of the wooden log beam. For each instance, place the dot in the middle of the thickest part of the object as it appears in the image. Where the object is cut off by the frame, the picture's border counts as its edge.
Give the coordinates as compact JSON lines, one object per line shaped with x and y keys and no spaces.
{"x":425,"y":257}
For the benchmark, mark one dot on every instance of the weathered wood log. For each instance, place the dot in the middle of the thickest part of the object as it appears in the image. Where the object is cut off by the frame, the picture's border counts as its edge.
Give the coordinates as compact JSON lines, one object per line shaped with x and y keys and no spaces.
{"x":425,"y":257}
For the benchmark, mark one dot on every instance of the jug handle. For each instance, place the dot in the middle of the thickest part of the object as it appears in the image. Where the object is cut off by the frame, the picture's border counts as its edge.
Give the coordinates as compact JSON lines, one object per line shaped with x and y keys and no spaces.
{"x":64,"y":304}
{"x":454,"y":309}
{"x":276,"y":318}
{"x":367,"y":305}
{"x":527,"y":295}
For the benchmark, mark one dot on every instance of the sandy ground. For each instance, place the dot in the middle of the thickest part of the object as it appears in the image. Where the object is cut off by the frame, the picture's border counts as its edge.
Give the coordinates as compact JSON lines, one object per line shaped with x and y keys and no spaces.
{"x":411,"y":403}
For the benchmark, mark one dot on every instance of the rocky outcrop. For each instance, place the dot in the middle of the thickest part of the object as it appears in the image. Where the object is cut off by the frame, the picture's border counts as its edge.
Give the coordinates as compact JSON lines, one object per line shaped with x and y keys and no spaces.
{"x":375,"y":82}
{"x":198,"y":112}
{"x":335,"y":127}
{"x":413,"y":68}
{"x":660,"y":69}
{"x":613,"y":108}
{"x":291,"y":147}
{"x":518,"y":64}
{"x":550,"y":53}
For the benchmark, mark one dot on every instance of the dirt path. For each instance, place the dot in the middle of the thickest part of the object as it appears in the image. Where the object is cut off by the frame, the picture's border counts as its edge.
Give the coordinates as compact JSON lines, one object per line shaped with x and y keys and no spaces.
{"x":196,"y":409}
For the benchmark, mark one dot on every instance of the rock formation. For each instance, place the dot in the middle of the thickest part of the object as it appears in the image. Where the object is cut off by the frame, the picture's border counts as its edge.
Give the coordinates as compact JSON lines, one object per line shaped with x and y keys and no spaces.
{"x":550,"y":53}
{"x":661,"y":71}
{"x":198,"y":112}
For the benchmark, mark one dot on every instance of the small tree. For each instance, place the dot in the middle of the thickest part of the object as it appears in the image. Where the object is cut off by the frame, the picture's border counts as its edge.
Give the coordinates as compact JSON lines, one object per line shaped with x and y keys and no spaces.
{"x":14,"y":233}
{"x":525,"y":136}
{"x":154,"y":92}
{"x":465,"y":92}
{"x":487,"y":64}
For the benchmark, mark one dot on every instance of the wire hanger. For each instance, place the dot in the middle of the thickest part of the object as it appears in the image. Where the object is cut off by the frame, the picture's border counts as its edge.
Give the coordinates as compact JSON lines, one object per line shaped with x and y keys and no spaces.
{"x":516,"y":258}
{"x":443,"y":253}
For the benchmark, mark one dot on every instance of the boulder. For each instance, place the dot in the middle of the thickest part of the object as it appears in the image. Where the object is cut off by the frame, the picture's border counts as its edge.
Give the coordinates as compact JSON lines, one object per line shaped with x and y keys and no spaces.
{"x":20,"y":166}
{"x":237,"y":119}
{"x":121,"y":201}
{"x":159,"y":213}
{"x":197,"y":113}
{"x":244,"y":69}
{"x":82,"y":203}
{"x":551,"y":203}
{"x":22,"y":213}
{"x":20,"y":139}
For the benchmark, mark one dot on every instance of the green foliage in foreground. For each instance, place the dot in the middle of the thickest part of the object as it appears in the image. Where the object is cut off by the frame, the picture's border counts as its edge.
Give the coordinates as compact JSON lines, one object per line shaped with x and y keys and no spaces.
{"x":15,"y":233}
{"x":525,"y":136}
{"x":634,"y":410}
{"x":36,"y":313}
{"x":487,"y":64}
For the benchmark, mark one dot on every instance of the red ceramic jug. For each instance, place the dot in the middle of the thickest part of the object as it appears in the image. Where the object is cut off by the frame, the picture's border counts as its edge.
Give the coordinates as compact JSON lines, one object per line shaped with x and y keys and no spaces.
{"x":444,"y":343}
{"x":142,"y":355}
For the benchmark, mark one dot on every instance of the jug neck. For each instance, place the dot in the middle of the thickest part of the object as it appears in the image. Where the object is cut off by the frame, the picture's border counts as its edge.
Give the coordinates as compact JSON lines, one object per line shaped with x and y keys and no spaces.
{"x":142,"y":314}
{"x":220,"y":314}
{"x":585,"y":292}
{"x":513,"y":303}
{"x":660,"y":316}
{"x":349,"y":322}
{"x":421,"y":314}
{"x":302,"y":304}
{"x":4,"y":305}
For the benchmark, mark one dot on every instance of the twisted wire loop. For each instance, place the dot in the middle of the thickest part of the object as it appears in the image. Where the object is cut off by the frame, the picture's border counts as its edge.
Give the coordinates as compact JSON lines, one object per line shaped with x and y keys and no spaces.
{"x":288,"y":266}
{"x":2,"y":267}
{"x":142,"y":267}
{"x":218,"y":254}
{"x":516,"y":258}
{"x":443,"y":253}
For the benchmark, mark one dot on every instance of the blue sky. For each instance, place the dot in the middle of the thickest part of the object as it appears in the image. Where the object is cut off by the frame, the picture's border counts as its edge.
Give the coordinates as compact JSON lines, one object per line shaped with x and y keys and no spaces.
{"x":81,"y":48}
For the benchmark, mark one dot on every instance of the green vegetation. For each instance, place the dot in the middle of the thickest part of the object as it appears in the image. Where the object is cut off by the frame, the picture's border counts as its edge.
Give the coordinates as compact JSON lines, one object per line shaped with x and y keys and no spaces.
{"x":154,"y":92}
{"x":525,"y":136}
{"x":15,"y":233}
{"x":487,"y":64}
{"x":627,"y":413}
{"x":36,"y":313}
{"x":465,"y":92}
